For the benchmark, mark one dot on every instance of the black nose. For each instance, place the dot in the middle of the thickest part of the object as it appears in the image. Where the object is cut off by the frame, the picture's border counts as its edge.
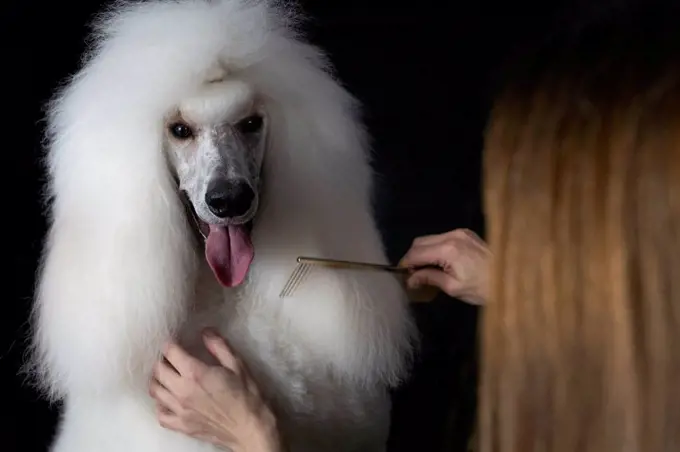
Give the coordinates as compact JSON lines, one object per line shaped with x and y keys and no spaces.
{"x":229,"y":198}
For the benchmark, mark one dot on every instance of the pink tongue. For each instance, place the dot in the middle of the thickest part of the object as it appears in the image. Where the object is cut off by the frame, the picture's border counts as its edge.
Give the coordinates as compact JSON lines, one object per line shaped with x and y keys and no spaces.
{"x":229,"y":253}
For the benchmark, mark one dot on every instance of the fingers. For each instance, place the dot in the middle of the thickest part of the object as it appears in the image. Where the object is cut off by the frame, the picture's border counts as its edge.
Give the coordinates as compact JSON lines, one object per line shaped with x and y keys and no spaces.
{"x":164,"y":398}
{"x":167,"y":376}
{"x":436,"y":278}
{"x":185,"y":364}
{"x":439,"y":254}
{"x":170,"y":420}
{"x":220,"y":350}
{"x":439,"y":238}
{"x":441,"y":249}
{"x":430,"y":239}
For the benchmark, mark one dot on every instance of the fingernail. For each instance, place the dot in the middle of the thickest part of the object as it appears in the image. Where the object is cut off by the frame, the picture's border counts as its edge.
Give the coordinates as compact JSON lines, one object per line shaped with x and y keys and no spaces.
{"x":210,"y":333}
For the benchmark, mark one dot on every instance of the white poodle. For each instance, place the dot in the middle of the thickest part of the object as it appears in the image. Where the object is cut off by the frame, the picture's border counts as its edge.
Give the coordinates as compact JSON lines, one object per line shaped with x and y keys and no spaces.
{"x":195,"y":119}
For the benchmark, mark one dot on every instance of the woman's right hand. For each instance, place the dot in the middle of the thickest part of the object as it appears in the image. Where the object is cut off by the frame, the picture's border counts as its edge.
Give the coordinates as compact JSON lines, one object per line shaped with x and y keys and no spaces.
{"x":463,"y":259}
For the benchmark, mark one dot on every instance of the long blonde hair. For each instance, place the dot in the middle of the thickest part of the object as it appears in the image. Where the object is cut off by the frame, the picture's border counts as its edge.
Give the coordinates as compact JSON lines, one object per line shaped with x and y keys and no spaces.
{"x":581,"y":339}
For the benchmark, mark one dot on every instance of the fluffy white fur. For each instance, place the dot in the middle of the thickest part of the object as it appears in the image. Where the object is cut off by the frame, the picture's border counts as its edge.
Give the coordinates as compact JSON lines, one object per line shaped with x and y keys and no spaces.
{"x":122,"y":272}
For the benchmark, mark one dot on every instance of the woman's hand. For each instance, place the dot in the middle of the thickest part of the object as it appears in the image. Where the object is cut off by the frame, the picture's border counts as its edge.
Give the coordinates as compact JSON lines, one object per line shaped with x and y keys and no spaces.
{"x":218,"y":404}
{"x":464,"y":260}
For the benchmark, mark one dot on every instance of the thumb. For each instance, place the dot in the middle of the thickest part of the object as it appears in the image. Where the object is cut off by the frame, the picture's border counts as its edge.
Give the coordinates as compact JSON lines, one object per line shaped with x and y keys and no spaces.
{"x":436,"y":278}
{"x":217,"y":346}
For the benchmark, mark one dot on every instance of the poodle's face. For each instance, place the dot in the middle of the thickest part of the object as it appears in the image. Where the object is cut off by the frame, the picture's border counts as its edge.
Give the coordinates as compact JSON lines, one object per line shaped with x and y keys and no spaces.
{"x":215,"y":142}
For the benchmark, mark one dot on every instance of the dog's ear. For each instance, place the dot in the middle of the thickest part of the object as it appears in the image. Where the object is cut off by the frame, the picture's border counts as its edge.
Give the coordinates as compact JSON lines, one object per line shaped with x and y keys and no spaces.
{"x":120,"y":262}
{"x":317,"y":202}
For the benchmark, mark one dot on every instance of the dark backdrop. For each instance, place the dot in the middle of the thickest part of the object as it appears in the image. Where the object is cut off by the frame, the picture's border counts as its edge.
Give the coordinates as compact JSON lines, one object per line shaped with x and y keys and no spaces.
{"x":423,"y":72}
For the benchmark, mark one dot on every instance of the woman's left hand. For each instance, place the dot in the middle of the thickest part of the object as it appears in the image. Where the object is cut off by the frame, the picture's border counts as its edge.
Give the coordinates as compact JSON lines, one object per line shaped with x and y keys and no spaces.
{"x":218,"y":404}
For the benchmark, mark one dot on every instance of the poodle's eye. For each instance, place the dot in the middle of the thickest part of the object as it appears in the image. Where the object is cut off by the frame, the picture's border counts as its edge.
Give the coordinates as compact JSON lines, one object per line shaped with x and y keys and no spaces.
{"x":251,"y":124}
{"x":181,"y":131}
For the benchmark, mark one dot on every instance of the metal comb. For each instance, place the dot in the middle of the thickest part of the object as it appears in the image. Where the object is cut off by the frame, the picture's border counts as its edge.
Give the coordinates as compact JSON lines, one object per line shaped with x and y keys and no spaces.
{"x":305,"y":265}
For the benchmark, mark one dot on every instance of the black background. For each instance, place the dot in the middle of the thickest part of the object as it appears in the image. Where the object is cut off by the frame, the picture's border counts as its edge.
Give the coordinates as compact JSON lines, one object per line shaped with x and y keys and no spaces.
{"x":424,"y":72}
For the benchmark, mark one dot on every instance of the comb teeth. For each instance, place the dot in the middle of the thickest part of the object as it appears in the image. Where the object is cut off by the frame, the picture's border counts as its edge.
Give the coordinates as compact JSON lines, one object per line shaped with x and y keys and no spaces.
{"x":296,"y":278}
{"x":305,"y":265}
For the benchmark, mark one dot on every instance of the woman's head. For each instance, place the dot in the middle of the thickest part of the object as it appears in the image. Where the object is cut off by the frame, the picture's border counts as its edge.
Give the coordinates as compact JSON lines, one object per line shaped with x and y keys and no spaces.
{"x":582,"y":180}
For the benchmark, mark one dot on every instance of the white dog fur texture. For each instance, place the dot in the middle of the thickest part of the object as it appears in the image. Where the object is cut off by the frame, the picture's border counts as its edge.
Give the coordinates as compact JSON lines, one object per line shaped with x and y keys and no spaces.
{"x":122,"y":271}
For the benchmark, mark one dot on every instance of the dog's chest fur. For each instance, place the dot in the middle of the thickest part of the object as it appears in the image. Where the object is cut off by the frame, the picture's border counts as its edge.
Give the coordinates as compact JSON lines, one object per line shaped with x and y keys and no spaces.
{"x":316,"y":411}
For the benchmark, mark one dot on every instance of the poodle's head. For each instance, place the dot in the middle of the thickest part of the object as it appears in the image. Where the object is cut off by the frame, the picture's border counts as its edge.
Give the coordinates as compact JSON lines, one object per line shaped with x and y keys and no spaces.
{"x":215,"y":142}
{"x":205,"y":89}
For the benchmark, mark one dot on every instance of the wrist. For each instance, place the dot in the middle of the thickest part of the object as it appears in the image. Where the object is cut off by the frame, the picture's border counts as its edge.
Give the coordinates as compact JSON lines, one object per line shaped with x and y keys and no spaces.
{"x":265,"y":436}
{"x":263,"y":441}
